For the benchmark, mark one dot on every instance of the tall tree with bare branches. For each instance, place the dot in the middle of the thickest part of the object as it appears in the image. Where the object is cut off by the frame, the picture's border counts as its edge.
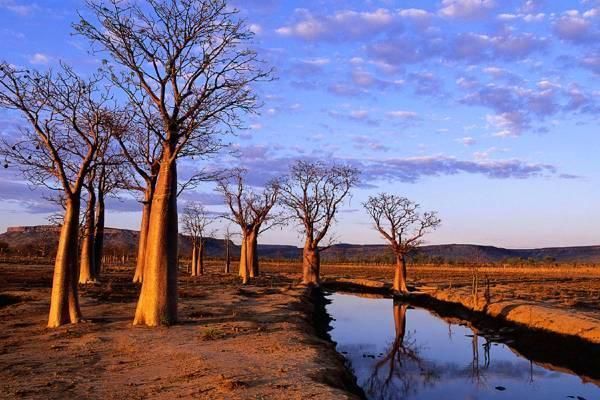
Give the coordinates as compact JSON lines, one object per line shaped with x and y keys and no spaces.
{"x":67,"y":122}
{"x":113,"y":174}
{"x":141,"y":147}
{"x":109,"y":174}
{"x":251,"y":210}
{"x":87,"y":267}
{"x":186,"y":64}
{"x":195,"y":221}
{"x":313,"y":193}
{"x":399,"y":221}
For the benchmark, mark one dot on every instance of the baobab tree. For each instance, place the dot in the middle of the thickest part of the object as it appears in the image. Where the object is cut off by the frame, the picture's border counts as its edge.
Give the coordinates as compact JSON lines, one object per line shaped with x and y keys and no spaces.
{"x":87,"y":259}
{"x":313,"y":193}
{"x":399,"y":221}
{"x":186,"y":64}
{"x":112,"y":175}
{"x":109,"y":174}
{"x":139,"y":142}
{"x":140,"y":147}
{"x":67,"y":123}
{"x":251,"y":210}
{"x":195,"y":221}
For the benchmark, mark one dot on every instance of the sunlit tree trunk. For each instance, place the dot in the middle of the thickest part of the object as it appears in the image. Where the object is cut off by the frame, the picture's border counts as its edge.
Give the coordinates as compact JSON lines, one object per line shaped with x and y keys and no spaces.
{"x":157,"y":304}
{"x":144,"y":226}
{"x":311,"y":265}
{"x":87,"y":269}
{"x":200,"y":259}
{"x":99,"y":235}
{"x":400,"y":275}
{"x":252,"y":246}
{"x":248,"y":256}
{"x":244,"y":259}
{"x":194,"y":265}
{"x":64,"y":301}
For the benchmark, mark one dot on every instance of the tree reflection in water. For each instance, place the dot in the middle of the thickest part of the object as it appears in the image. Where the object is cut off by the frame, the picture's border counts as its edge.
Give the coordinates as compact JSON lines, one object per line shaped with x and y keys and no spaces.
{"x":477,"y":369}
{"x":426,"y":357}
{"x":401,"y":372}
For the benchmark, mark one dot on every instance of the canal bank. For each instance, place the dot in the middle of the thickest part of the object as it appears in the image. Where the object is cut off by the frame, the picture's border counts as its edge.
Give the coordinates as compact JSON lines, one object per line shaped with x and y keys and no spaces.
{"x":562,"y":352}
{"x":399,"y":349}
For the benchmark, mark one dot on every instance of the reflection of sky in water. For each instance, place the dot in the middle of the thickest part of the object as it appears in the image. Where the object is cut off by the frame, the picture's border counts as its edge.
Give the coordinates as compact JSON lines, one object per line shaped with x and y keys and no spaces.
{"x":446,"y":366}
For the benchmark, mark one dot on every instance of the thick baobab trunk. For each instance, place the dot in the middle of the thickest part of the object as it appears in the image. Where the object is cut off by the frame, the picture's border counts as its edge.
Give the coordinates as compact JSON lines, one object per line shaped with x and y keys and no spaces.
{"x":244,"y":259}
{"x":311,"y":265}
{"x":197,"y":258}
{"x":194,"y":265}
{"x":200,"y":259}
{"x":99,"y":235}
{"x":400,"y":275}
{"x":157,"y":304}
{"x":248,"y":256}
{"x":252,"y":246}
{"x":144,"y":226}
{"x":64,"y":301}
{"x":87,"y":269}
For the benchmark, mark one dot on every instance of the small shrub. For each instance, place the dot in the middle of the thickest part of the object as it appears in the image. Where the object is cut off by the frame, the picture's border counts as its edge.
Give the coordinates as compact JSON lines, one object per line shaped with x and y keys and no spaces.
{"x":211,"y":334}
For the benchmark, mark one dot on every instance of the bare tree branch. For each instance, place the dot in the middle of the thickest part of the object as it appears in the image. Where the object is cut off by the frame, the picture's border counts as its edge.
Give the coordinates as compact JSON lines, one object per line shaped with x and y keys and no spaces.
{"x":313,"y":194}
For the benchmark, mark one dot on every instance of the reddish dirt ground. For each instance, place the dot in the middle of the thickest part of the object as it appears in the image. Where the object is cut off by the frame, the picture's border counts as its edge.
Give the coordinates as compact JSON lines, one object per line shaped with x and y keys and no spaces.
{"x":232,"y":342}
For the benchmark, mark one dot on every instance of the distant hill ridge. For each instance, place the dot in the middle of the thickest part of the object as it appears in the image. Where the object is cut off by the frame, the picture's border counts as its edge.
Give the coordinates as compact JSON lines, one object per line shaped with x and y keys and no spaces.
{"x":44,"y":238}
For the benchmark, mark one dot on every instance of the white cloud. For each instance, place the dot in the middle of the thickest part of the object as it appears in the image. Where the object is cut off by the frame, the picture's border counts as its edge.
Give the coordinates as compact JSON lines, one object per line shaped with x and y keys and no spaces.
{"x":318,"y":62}
{"x":255,"y":28}
{"x":531,"y":6}
{"x":359,"y":114}
{"x":39,"y":59}
{"x":508,"y":124}
{"x":525,"y":17}
{"x":367,"y":141}
{"x":578,"y":27}
{"x":18,"y":8}
{"x":414,"y":13}
{"x":534,"y":17}
{"x":466,"y":9}
{"x":467,"y":140}
{"x":594,"y":12}
{"x":341,"y":25}
{"x":402,"y":114}
{"x":421,"y":18}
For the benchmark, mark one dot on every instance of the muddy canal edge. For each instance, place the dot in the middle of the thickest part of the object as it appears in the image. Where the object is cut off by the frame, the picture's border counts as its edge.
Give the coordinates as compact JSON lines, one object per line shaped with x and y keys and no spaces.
{"x":531,"y":341}
{"x":338,"y":376}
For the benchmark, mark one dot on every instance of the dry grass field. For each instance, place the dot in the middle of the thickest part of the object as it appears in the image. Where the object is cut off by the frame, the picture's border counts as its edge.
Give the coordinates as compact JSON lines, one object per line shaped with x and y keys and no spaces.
{"x":576,"y":288}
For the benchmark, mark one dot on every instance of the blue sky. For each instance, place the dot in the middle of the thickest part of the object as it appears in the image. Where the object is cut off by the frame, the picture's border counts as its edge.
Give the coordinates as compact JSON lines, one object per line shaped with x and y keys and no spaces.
{"x":484,"y":110}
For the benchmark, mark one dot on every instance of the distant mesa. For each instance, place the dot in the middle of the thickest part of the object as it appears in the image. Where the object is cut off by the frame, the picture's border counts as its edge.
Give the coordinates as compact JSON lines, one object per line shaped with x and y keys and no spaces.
{"x":56,"y":229}
{"x":33,"y":229}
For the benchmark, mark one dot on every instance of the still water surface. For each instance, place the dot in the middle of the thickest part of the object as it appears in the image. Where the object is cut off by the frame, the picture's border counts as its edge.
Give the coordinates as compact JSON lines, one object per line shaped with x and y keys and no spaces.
{"x":400,"y":352}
